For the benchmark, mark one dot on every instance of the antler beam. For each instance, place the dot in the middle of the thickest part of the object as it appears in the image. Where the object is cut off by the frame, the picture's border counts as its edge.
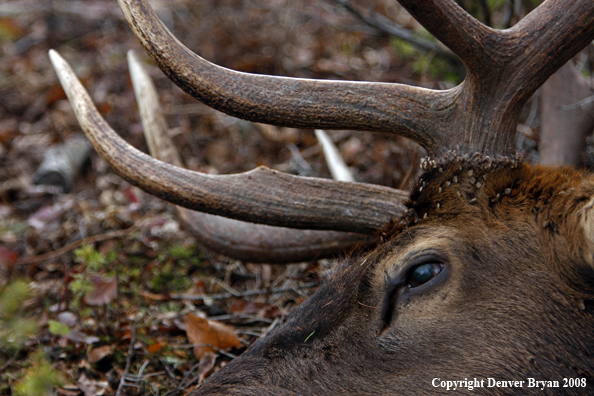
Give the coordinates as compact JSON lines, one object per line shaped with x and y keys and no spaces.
{"x":260,"y":196}
{"x":283,"y":101}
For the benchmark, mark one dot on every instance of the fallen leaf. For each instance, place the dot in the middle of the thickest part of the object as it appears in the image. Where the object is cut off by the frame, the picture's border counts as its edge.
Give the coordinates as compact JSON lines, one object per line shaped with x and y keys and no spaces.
{"x":7,"y":257}
{"x":97,"y":354}
{"x":156,"y":347}
{"x":91,"y":387}
{"x":132,"y":194}
{"x":154,"y":296}
{"x":207,"y":362}
{"x":252,"y":308}
{"x":10,"y":28}
{"x":197,"y":289}
{"x":104,"y":290}
{"x":54,"y":93}
{"x":206,"y":332}
{"x":58,"y":328}
{"x":77,"y":336}
{"x":45,"y":215}
{"x":271,"y":311}
{"x":67,"y":318}
{"x":66,"y":392}
{"x":246,"y":307}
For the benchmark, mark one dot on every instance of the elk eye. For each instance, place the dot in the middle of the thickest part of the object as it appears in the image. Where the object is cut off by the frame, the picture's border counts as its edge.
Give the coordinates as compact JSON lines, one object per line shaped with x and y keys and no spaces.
{"x":423,"y":273}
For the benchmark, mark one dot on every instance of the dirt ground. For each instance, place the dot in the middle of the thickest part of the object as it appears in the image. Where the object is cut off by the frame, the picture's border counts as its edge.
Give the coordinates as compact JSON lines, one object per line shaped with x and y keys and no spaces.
{"x":102,"y":263}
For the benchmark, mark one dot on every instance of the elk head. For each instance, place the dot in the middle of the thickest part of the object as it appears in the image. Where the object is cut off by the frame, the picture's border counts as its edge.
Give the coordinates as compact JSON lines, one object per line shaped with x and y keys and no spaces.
{"x":486,"y":271}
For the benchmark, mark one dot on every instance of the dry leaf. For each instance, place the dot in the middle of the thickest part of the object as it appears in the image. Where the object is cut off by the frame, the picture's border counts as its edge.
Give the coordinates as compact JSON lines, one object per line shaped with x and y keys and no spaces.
{"x":203,"y":331}
{"x":92,"y":387}
{"x":47,"y":214}
{"x":77,"y":336}
{"x":104,"y":291}
{"x":197,"y":289}
{"x":97,"y":354}
{"x":252,"y":308}
{"x":154,"y":297}
{"x":7,"y":257}
{"x":156,"y":347}
{"x":68,"y":318}
{"x":246,"y":307}
{"x":66,"y":392}
{"x":207,"y":362}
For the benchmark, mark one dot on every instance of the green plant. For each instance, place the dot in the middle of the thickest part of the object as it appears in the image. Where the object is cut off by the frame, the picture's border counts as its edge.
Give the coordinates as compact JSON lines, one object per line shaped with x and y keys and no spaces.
{"x":15,"y":329}
{"x":90,"y":257}
{"x":58,"y":328}
{"x":39,"y":379}
{"x":92,"y":262}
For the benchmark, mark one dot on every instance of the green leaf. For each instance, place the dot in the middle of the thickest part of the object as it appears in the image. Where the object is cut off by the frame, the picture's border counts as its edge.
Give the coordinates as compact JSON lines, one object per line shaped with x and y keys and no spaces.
{"x":58,"y":328}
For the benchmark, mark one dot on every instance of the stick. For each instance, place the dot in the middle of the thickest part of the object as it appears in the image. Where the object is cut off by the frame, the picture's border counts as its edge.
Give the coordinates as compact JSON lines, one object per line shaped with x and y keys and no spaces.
{"x":128,"y":361}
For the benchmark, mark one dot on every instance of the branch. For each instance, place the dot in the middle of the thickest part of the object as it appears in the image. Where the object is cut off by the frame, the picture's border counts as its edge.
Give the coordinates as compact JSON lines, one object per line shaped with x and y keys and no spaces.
{"x":392,"y":29}
{"x":454,"y":27}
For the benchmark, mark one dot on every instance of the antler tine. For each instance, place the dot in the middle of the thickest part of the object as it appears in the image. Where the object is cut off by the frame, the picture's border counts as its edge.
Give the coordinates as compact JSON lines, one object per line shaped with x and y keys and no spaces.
{"x":553,"y":34}
{"x":504,"y":67}
{"x":233,"y":238}
{"x":454,"y":27}
{"x":283,"y":101}
{"x":568,"y":23}
{"x":260,"y":196}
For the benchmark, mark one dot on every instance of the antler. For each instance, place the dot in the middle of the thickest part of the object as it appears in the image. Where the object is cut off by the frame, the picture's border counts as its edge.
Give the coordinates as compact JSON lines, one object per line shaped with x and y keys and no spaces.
{"x":480,"y":115}
{"x":260,"y":196}
{"x":283,"y":101}
{"x":234,"y":238}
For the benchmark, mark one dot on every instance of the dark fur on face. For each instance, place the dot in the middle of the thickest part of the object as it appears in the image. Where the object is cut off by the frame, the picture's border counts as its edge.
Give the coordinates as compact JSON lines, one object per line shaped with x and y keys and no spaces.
{"x":513,"y":297}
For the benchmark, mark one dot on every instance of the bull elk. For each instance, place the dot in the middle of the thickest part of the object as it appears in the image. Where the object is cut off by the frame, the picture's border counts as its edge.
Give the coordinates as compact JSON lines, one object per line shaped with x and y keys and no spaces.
{"x":483,"y":273}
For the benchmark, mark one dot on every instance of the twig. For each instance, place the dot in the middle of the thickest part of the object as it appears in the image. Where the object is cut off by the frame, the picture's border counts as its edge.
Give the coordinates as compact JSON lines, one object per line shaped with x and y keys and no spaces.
{"x":241,"y":316}
{"x":390,"y":28}
{"x":582,"y":103}
{"x":410,"y":170}
{"x":277,"y":320}
{"x":222,"y":296}
{"x":128,"y":361}
{"x":227,"y":287}
{"x":304,"y":167}
{"x":184,"y":385}
{"x":214,"y":348}
{"x":10,"y":360}
{"x":75,"y":244}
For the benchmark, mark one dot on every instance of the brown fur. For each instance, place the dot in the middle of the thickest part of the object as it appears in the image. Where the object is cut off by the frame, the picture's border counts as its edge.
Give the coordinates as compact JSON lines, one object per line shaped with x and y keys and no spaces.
{"x":516,"y":299}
